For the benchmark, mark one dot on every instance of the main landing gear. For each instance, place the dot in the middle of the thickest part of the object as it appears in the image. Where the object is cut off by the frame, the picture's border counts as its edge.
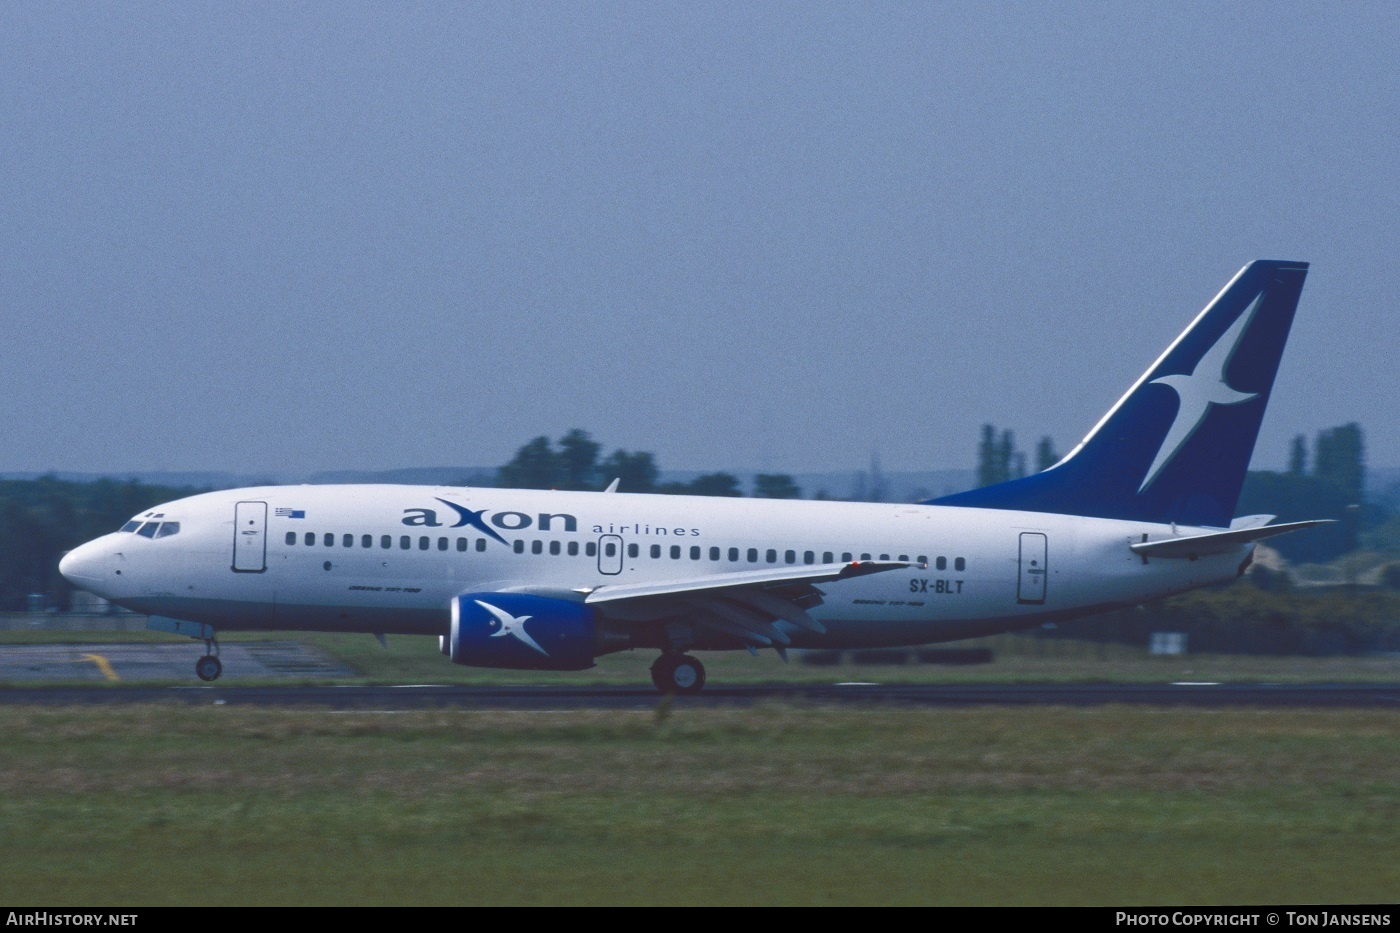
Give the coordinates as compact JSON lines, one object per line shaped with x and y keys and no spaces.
{"x":678,"y":673}
{"x":209,"y":667}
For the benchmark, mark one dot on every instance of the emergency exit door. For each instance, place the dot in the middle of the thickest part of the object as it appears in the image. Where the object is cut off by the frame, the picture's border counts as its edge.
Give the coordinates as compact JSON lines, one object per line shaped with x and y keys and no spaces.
{"x":250,"y":537}
{"x":610,"y":554}
{"x":1031,"y":586}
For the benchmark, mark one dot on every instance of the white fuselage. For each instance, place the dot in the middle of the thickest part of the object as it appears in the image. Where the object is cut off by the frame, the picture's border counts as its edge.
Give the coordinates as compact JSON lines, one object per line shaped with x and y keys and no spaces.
{"x":388,"y":559}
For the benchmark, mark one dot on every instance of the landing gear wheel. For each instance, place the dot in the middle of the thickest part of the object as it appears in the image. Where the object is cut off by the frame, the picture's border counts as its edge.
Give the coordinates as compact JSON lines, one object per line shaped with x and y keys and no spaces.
{"x":208,"y":667}
{"x":678,"y":674}
{"x":661,"y":673}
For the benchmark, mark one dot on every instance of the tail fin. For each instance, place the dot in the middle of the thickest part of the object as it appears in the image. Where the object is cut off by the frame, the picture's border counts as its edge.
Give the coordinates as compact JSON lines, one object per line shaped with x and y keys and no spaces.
{"x":1176,"y":447}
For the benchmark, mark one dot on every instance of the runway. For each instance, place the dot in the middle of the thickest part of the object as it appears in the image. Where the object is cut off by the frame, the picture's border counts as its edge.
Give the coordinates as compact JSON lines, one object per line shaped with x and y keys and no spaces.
{"x":409,"y":697}
{"x":135,"y":662}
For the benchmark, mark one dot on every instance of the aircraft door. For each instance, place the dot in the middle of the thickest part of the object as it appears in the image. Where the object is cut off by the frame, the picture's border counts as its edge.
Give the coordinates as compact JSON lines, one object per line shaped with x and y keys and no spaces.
{"x":250,"y":537}
{"x":1031,"y":586}
{"x":610,"y":554}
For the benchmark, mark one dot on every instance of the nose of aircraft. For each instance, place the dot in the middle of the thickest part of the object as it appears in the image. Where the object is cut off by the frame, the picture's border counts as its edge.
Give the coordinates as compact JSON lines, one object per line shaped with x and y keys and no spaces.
{"x":83,"y":565}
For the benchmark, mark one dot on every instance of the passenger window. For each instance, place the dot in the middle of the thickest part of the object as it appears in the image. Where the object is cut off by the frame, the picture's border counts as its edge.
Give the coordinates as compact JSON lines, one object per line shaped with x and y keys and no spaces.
{"x":133,"y":525}
{"x":828,"y":557}
{"x":714,"y":553}
{"x":329,"y":539}
{"x":424,"y":543}
{"x":865,"y":557}
{"x":633,"y":550}
{"x":386,"y":541}
{"x":959,"y":564}
{"x":310,"y":538}
{"x":923,"y":561}
{"x":291,"y":537}
{"x":790,"y":557}
{"x":348,"y":541}
{"x":941,"y":563}
{"x":610,"y":549}
{"x":845,"y":557}
{"x":366,"y":540}
{"x":753,"y":555}
{"x":884,"y":557}
{"x":904,"y":557}
{"x":462,"y":544}
{"x":734,"y":555}
{"x":695,"y":552}
{"x":442,"y":544}
{"x":675,"y":552}
{"x":573,"y":549}
{"x":808,"y":557}
{"x":772,"y":556}
{"x":655,"y":551}
{"x":554,"y":548}
{"x":405,"y":542}
{"x":519,"y":547}
{"x":481,"y":544}
{"x":537,"y":547}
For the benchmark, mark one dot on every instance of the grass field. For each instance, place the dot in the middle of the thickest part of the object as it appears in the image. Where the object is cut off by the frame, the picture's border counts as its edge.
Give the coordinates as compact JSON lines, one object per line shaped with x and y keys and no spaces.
{"x":771,"y":805}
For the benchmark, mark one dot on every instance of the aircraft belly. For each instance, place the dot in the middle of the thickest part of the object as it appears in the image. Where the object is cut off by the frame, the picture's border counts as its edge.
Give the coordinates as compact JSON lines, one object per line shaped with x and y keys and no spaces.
{"x":864,"y":633}
{"x":245,"y":615}
{"x":844,"y":633}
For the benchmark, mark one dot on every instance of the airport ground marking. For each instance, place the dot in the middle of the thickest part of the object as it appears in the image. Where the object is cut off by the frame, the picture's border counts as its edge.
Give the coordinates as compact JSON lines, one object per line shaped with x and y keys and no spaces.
{"x":103,"y":665}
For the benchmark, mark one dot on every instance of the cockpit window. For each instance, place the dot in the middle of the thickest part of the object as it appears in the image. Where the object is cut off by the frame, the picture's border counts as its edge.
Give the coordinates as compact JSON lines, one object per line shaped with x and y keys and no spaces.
{"x":148,"y":530}
{"x":131,"y":525}
{"x":167,"y":529}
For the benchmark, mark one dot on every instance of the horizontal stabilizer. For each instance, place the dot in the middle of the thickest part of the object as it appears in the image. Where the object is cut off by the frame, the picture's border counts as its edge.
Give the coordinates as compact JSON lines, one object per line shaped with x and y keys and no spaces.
{"x":1217,"y":542}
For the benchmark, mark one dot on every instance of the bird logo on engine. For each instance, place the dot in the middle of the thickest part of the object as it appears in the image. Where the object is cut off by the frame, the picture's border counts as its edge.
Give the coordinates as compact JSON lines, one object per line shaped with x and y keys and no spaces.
{"x":511,"y":625}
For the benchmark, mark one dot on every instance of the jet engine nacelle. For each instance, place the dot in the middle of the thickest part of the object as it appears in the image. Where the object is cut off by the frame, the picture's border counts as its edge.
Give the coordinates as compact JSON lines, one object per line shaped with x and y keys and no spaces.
{"x":516,"y":630}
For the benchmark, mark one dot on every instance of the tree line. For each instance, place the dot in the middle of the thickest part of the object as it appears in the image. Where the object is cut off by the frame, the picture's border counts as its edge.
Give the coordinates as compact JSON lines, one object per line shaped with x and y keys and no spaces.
{"x":575,"y":462}
{"x":1324,"y":480}
{"x":1327,"y":480}
{"x":42,"y":519}
{"x":1242,"y":619}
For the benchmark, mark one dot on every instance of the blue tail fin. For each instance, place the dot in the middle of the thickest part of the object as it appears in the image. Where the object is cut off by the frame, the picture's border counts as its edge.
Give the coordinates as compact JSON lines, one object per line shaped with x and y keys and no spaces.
{"x":1176,"y":447}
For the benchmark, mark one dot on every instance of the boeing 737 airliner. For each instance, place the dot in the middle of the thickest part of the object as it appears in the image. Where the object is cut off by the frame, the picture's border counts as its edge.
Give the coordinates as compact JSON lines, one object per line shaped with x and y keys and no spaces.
{"x":508,"y":578}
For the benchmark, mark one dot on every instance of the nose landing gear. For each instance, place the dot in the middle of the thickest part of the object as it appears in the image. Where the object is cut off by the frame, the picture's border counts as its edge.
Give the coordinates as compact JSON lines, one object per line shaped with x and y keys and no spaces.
{"x":678,"y":674}
{"x":209,"y":667}
{"x":206,"y":668}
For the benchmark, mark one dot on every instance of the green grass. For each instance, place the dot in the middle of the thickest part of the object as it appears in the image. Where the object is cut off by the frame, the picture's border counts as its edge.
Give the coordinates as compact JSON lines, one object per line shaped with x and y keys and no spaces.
{"x":771,"y":805}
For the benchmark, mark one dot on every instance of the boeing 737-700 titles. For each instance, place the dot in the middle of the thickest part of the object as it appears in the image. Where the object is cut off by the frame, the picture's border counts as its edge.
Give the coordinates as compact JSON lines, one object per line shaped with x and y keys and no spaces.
{"x":510,"y":578}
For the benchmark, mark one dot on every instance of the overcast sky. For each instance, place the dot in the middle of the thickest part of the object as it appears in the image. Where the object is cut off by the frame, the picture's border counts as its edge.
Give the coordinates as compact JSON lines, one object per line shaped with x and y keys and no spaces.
{"x":293,"y":237}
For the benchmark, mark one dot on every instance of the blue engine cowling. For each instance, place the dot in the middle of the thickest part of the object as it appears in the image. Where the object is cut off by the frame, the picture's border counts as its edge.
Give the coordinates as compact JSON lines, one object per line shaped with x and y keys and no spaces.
{"x":515,"y":630}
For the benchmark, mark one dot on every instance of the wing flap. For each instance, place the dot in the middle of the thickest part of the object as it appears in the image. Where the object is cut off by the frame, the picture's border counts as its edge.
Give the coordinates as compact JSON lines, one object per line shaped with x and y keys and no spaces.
{"x":757,"y":608}
{"x":814,"y":573}
{"x":778,"y":608}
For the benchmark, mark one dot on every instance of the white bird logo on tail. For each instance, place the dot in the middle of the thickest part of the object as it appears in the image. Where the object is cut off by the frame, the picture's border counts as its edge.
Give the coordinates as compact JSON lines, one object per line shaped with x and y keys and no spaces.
{"x":1204,"y":387}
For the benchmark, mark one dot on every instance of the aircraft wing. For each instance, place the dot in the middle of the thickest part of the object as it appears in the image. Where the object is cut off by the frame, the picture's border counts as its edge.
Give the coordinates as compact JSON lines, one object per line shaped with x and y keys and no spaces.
{"x":747,"y":605}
